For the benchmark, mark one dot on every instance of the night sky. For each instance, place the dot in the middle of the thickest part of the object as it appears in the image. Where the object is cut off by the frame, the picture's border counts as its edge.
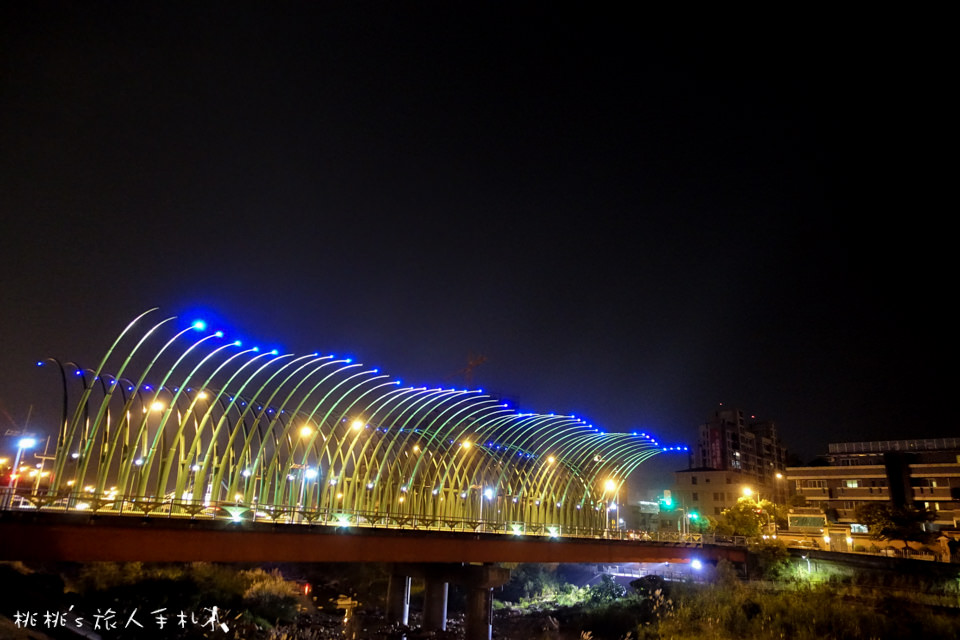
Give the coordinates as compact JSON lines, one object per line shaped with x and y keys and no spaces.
{"x":634,"y":218}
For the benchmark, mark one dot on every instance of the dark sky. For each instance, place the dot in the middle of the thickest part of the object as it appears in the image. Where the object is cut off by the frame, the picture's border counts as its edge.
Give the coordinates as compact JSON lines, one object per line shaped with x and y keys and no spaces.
{"x":632,"y":217}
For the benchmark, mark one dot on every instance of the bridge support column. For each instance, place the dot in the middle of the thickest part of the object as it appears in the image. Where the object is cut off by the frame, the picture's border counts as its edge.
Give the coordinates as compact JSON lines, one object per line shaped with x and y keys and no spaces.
{"x":480,"y":581}
{"x":479,"y":613}
{"x":398,"y":599}
{"x":435,"y":604}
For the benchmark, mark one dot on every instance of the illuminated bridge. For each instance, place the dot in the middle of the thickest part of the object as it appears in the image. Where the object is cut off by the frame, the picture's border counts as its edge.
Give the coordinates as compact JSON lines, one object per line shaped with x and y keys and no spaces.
{"x":183,"y":424}
{"x":184,"y":421}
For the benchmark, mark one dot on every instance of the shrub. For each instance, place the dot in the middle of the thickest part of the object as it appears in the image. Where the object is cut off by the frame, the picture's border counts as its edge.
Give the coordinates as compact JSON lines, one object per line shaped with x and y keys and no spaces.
{"x":270,"y":596}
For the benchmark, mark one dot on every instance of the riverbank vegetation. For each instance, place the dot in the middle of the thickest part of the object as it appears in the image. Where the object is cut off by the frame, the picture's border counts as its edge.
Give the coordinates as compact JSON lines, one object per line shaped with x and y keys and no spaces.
{"x":792,"y":598}
{"x":851,"y":607}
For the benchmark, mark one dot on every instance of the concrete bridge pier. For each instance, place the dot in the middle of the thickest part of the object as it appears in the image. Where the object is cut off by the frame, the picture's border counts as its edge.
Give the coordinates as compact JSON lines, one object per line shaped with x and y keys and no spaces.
{"x":398,"y":598}
{"x":479,"y":580}
{"x":479,"y":622}
{"x":435,"y":604}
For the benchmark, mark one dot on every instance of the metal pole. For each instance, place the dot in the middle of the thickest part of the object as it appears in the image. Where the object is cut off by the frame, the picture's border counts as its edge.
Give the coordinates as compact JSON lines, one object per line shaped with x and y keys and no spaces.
{"x":14,"y":477}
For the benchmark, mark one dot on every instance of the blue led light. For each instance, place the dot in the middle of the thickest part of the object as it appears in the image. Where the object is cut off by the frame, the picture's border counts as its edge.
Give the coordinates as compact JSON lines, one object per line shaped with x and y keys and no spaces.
{"x":199,"y":325}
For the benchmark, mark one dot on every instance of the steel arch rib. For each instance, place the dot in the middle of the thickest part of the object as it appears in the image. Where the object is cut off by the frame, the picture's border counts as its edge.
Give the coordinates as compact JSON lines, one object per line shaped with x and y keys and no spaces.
{"x":409,"y":459}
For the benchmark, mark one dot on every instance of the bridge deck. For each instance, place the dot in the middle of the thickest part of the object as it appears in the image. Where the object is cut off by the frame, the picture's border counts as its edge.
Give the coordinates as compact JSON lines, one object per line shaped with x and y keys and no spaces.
{"x":86,"y":538}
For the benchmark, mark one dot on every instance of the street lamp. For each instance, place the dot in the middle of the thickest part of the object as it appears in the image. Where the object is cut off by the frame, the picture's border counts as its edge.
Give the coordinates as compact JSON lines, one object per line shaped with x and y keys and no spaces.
{"x":778,"y":497}
{"x":310,"y":474}
{"x":487,"y":493}
{"x":611,"y":485}
{"x":22,"y":445}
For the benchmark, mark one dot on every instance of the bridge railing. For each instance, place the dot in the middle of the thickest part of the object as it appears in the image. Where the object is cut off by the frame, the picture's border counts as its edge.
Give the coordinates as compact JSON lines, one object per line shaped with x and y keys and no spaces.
{"x":167,"y":507}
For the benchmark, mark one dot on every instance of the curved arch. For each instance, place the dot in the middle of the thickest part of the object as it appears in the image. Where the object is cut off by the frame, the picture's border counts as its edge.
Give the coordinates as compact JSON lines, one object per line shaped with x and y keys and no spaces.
{"x":230,"y":431}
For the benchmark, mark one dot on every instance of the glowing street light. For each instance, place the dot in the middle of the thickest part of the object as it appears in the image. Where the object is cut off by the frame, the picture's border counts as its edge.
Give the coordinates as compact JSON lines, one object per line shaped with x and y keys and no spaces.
{"x":22,"y":445}
{"x":310,"y":474}
{"x":611,"y":485}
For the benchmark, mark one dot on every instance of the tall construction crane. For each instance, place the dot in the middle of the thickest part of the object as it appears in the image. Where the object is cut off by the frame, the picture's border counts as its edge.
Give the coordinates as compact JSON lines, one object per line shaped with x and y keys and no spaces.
{"x":473,"y":361}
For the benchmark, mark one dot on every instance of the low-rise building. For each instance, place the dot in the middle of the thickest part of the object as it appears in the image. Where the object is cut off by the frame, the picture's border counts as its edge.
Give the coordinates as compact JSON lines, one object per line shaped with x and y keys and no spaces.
{"x":709,"y":491}
{"x":915,"y":473}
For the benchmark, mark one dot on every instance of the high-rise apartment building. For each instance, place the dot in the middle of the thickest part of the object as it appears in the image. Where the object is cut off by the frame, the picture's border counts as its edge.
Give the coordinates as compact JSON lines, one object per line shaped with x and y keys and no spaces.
{"x":733,"y":452}
{"x":730,"y":441}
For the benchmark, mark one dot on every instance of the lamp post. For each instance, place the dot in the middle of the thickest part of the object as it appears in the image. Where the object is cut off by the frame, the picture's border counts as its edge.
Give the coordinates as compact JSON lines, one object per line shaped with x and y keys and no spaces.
{"x":487,"y":493}
{"x":22,"y":445}
{"x":306,"y":474}
{"x":777,"y":498}
{"x":682,"y":521}
{"x":611,"y":486}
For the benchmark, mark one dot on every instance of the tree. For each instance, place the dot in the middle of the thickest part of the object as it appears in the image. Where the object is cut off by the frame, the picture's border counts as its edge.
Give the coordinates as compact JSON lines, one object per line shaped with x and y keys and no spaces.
{"x":887,"y":522}
{"x":772,"y":558}
{"x":607,"y":590}
{"x":742,"y":519}
{"x":797,"y":500}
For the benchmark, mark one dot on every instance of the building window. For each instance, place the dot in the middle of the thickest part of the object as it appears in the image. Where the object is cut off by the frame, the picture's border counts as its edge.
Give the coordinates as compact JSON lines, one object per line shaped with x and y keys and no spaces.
{"x":696,"y":498}
{"x":853,"y":484}
{"x":693,"y":479}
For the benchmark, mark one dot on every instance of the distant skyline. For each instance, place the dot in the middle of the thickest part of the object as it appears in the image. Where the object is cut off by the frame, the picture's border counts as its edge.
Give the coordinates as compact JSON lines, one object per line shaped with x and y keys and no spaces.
{"x":632,"y":220}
